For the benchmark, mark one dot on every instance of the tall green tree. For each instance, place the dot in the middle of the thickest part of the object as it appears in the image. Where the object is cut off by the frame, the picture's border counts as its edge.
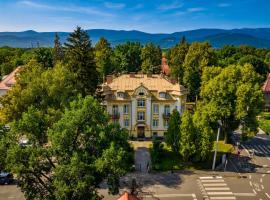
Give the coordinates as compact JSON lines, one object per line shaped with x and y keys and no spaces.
{"x":234,"y":96}
{"x":187,"y":137}
{"x":199,"y":56}
{"x":204,"y":132}
{"x":44,"y":56}
{"x":172,"y":138}
{"x":151,"y":56}
{"x":58,"y":54}
{"x":72,"y":147}
{"x":127,"y":57}
{"x":103,"y":56}
{"x":259,"y":65}
{"x":80,"y":59}
{"x":176,"y":57}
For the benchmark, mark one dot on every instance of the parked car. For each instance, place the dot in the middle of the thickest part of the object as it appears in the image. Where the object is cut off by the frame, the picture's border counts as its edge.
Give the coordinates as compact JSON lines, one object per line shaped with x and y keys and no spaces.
{"x":6,"y":178}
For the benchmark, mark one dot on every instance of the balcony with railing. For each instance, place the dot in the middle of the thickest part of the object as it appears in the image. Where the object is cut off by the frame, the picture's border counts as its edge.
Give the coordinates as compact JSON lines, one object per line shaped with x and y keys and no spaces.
{"x":166,"y":115}
{"x":115,"y":115}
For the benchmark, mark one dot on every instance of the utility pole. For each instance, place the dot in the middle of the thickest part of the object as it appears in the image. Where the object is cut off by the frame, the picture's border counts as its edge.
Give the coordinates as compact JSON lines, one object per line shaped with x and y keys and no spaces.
{"x":215,"y":155}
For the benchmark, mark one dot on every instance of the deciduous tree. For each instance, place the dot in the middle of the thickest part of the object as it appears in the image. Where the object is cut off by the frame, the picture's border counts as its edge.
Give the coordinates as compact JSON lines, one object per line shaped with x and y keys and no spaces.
{"x":151,"y":56}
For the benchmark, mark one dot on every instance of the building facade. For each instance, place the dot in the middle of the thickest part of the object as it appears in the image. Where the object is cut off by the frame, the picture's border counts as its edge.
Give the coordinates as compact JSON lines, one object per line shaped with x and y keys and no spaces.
{"x":143,"y":103}
{"x":266,"y":93}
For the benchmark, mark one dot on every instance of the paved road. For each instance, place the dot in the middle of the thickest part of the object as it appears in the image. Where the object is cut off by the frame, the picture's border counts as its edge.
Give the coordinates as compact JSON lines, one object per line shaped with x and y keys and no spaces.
{"x":260,"y":179}
{"x":10,"y":192}
{"x":196,"y":185}
{"x":142,"y":159}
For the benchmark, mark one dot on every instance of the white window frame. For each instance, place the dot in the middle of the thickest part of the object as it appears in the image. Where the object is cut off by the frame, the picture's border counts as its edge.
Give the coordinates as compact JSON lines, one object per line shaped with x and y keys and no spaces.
{"x":126,"y":109}
{"x":166,"y":123}
{"x":141,"y":116}
{"x":141,"y":103}
{"x":126,"y":122}
{"x":155,"y":122}
{"x":168,"y":110}
{"x":162,"y":95}
{"x":155,"y":108}
{"x":115,"y":109}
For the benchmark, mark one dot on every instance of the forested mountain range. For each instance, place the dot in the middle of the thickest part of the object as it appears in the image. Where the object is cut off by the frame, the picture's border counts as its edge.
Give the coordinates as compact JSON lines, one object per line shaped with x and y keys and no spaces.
{"x":257,"y":37}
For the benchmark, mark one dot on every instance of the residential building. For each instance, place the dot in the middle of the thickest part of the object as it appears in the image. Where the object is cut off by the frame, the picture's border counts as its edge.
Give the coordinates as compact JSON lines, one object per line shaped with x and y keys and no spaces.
{"x":266,"y":92}
{"x":143,"y":103}
{"x":8,"y":81}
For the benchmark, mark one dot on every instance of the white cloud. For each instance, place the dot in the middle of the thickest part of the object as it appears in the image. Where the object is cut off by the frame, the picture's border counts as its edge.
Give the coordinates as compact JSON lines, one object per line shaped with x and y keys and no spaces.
{"x":71,"y":8}
{"x":223,"y":5}
{"x":196,"y":9}
{"x":173,"y":5}
{"x":114,"y":5}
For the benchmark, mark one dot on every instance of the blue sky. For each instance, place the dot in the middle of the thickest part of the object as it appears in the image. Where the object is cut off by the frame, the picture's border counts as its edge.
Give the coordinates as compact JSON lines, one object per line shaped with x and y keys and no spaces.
{"x":154,"y":16}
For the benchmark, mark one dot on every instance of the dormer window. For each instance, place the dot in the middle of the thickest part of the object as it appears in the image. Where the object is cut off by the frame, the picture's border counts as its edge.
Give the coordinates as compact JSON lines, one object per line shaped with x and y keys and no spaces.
{"x":121,"y":95}
{"x":141,"y":93}
{"x":162,"y":95}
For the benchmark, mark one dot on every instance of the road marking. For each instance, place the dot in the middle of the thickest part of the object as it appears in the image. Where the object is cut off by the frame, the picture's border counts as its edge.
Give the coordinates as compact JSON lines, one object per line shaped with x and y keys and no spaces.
{"x":245,"y":149}
{"x":250,"y":183}
{"x":262,"y":187}
{"x":267,"y":195}
{"x":266,"y":150}
{"x":261,"y":180}
{"x":194,"y":196}
{"x":214,"y":184}
{"x":211,"y":177}
{"x":222,"y":198}
{"x":245,"y":194}
{"x":220,"y":193}
{"x":249,"y":176}
{"x":212,"y":181}
{"x":218,"y":188}
{"x":263,"y":175}
{"x":262,"y":149}
{"x":254,"y":191}
{"x":170,"y":195}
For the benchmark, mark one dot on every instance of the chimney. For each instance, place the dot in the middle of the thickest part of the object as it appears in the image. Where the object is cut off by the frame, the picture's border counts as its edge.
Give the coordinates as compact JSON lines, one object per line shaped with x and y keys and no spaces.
{"x":173,"y":80}
{"x":109,"y":79}
{"x":132,"y":74}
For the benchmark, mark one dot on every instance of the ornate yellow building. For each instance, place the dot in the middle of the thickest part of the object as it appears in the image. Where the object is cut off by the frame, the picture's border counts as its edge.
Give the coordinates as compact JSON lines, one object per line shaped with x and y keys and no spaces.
{"x":143,"y":103}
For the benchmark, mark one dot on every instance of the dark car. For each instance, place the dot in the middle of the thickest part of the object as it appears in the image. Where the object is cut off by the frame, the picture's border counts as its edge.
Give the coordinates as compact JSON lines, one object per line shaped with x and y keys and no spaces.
{"x":6,"y":178}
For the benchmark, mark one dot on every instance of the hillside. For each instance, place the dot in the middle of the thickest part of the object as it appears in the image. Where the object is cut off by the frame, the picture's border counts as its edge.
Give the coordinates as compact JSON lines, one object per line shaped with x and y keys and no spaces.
{"x":257,"y":37}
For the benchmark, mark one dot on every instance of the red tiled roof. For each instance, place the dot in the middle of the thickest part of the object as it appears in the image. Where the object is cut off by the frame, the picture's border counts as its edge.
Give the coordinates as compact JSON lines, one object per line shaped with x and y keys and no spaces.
{"x":164,"y":66}
{"x":9,"y":80}
{"x":127,"y":196}
{"x":266,"y":85}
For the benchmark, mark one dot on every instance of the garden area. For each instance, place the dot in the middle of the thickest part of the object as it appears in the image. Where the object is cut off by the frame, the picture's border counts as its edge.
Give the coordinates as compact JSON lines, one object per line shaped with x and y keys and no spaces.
{"x":164,"y":159}
{"x":264,"y":122}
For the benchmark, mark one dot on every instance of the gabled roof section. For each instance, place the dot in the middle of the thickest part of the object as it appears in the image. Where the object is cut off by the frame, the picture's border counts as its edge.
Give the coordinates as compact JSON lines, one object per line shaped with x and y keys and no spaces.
{"x":9,"y":80}
{"x":266,"y":85}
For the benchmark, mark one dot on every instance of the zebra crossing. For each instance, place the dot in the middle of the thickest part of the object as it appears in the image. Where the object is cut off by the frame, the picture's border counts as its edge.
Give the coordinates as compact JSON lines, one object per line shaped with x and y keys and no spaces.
{"x":215,"y":188}
{"x":258,"y":149}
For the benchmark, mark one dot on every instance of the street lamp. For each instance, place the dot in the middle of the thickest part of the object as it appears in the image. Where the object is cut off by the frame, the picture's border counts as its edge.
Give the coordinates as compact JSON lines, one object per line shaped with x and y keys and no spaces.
{"x":215,"y":154}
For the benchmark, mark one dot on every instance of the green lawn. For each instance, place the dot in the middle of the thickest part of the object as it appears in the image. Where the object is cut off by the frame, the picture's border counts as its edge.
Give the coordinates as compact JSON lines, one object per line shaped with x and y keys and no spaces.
{"x":264,"y":122}
{"x":172,"y":161}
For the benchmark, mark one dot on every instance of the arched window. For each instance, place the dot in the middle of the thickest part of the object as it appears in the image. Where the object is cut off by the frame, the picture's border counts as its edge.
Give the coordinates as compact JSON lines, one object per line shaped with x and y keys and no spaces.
{"x":121,"y":94}
{"x":162,"y":94}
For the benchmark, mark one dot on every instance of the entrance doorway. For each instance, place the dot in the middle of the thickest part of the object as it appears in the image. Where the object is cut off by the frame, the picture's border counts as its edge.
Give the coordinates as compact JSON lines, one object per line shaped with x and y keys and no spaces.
{"x":140,"y":132}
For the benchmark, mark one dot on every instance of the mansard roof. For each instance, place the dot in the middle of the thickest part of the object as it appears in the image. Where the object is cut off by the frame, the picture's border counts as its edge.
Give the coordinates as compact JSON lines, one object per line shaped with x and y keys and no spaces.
{"x":155,"y":82}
